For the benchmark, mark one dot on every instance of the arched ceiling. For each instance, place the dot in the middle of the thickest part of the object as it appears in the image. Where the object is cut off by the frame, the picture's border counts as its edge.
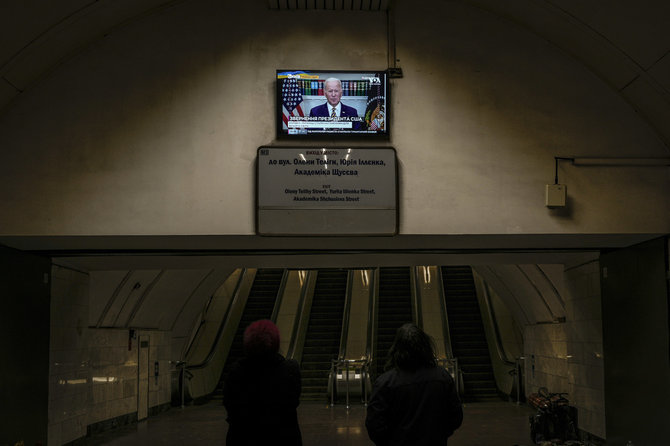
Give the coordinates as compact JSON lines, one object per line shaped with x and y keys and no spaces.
{"x":626,"y":44}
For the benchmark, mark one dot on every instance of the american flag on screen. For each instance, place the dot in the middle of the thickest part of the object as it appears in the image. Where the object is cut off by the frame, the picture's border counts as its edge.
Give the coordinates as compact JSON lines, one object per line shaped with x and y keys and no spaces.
{"x":291,"y":100}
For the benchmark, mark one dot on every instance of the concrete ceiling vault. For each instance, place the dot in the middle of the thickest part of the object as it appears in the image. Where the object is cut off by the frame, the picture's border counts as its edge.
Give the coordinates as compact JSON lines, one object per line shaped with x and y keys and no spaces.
{"x":626,"y":44}
{"x":148,"y":281}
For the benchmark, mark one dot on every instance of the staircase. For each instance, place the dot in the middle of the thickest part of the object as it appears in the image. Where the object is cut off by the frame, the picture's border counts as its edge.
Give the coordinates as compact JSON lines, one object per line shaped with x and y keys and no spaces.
{"x":468,"y":338}
{"x":322,"y":340}
{"x":394,"y":309}
{"x":260,"y":303}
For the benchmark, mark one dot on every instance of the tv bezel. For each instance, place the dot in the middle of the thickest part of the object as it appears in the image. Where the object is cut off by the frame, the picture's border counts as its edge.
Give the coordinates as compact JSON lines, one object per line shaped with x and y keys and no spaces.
{"x":282,"y":135}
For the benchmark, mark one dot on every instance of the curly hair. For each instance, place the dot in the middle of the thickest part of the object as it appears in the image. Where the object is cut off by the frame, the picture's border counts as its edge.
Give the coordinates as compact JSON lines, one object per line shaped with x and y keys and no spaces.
{"x":261,"y":338}
{"x":412,"y":349}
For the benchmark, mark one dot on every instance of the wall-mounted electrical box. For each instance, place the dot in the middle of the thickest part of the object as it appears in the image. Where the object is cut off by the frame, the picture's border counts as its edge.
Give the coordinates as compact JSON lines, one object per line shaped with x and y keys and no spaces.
{"x":555,"y":195}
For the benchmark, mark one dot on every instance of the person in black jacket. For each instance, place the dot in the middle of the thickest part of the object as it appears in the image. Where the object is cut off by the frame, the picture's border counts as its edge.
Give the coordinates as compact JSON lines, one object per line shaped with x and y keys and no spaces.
{"x":262,"y":392}
{"x":414,"y":402}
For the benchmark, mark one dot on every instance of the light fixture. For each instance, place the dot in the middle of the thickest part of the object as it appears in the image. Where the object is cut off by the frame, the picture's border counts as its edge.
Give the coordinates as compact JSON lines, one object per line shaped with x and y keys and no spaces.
{"x":555,"y":194}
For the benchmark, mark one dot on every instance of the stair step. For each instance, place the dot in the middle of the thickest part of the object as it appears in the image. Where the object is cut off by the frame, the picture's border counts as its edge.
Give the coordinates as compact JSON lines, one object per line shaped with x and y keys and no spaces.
{"x":481,"y":377}
{"x":394,"y":309}
{"x":481,"y":359}
{"x":315,"y":366}
{"x":322,"y":340}
{"x":316,"y":373}
{"x":317,"y":357}
{"x":314,"y":389}
{"x":474,"y":342}
{"x":467,"y":334}
{"x":308,"y":351}
{"x":476,"y":368}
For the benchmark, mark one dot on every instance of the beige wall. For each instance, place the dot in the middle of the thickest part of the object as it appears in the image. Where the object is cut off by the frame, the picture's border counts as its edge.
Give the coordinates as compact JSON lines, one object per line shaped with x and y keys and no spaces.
{"x":154,"y":129}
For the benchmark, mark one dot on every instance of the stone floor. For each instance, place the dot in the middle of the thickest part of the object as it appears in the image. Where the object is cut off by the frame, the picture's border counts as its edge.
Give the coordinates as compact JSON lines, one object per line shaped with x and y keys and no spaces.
{"x":495,"y":423}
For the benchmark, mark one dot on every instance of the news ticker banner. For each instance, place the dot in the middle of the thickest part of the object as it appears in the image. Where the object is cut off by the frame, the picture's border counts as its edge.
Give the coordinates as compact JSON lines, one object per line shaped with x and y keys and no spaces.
{"x":313,"y":122}
{"x":326,"y":191}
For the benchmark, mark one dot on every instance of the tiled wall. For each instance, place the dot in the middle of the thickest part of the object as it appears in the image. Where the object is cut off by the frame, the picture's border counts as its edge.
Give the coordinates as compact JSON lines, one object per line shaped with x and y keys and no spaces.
{"x":93,"y":372}
{"x":585,"y":346}
{"x":546,"y":351}
{"x":69,"y":384}
{"x":567,"y":357}
{"x":159,"y":351}
{"x":112,"y":374}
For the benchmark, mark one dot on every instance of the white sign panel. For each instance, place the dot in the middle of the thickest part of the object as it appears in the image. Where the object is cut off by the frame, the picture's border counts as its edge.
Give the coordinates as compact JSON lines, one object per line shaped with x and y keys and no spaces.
{"x":320,"y":191}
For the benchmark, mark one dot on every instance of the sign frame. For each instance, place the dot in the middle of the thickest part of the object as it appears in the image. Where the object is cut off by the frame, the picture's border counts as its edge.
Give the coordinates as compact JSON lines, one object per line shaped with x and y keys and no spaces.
{"x":299,"y":197}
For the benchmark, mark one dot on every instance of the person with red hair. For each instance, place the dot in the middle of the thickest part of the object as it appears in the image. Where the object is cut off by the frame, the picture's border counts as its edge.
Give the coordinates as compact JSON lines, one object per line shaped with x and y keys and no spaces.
{"x":262,"y":392}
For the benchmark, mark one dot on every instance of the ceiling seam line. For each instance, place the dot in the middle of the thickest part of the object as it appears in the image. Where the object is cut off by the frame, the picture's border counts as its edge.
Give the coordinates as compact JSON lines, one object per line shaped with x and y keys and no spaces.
{"x":45,"y":32}
{"x":510,"y":293}
{"x":594,"y":31}
{"x":538,"y":292}
{"x":11,"y":84}
{"x":551,"y":284}
{"x":642,"y":71}
{"x":111,"y":301}
{"x":195,"y":290}
{"x":142,"y":298}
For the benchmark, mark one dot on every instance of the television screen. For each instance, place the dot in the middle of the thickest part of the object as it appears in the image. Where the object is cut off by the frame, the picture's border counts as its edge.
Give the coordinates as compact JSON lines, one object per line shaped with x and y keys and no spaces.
{"x":346,"y":103}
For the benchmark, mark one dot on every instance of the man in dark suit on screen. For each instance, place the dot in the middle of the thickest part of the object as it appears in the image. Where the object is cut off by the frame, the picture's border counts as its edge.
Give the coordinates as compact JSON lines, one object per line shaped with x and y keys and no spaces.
{"x":333,"y":108}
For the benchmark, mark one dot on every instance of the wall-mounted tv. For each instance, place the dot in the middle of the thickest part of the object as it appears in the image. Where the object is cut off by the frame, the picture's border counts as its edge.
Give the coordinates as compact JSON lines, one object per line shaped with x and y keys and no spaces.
{"x":332,"y":103}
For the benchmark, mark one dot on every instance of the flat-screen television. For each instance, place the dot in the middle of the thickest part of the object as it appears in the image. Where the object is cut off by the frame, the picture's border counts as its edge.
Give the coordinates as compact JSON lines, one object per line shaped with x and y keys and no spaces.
{"x":332,"y":103}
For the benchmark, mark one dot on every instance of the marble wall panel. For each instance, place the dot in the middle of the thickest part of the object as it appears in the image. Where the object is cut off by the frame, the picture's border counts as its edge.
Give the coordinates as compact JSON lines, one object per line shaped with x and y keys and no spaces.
{"x":567,"y":357}
{"x":93,"y":372}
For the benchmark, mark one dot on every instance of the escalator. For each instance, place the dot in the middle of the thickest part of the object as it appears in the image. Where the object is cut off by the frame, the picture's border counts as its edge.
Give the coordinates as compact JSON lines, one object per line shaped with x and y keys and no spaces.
{"x":260,"y":303}
{"x":394,"y":309}
{"x":468,"y":338}
{"x":322,"y":341}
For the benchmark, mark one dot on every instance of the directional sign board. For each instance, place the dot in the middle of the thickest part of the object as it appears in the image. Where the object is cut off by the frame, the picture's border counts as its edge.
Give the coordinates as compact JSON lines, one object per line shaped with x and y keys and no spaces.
{"x":326,"y":191}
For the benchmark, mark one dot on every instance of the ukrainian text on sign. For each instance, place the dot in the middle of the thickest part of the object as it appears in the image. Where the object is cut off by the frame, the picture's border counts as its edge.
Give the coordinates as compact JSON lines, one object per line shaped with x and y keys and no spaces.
{"x":347,"y":178}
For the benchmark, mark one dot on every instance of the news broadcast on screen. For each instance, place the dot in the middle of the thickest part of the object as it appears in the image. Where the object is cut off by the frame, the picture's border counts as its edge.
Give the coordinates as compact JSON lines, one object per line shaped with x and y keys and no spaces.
{"x":333,"y":103}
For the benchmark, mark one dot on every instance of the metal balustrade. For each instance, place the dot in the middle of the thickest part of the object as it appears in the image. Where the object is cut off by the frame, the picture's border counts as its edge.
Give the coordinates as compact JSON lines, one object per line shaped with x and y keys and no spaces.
{"x":349,"y":376}
{"x":451,"y":366}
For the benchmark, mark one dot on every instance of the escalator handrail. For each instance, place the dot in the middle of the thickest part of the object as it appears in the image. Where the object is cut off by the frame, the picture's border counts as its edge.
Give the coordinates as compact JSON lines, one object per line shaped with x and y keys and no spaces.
{"x":345,"y":316}
{"x":279,"y":297}
{"x":443,"y":308}
{"x":302,"y":316}
{"x":372,"y":315}
{"x":416,"y":297}
{"x":500,"y":351}
{"x":224,"y":321}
